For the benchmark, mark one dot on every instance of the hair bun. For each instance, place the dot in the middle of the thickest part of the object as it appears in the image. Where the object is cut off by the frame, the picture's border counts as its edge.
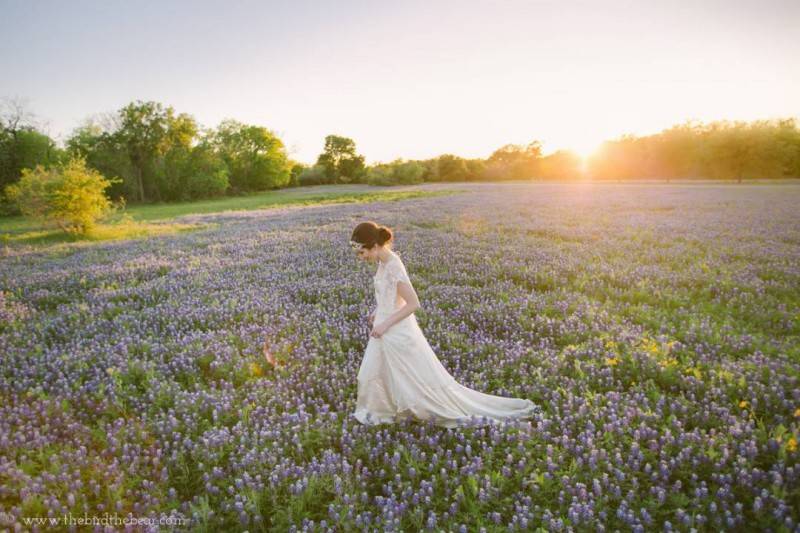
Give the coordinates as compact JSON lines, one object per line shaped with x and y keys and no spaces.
{"x":370,"y":233}
{"x":384,"y":233}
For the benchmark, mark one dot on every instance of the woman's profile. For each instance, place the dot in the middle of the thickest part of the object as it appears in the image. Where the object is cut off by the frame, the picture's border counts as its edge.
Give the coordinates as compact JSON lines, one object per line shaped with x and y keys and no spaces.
{"x":400,"y":376}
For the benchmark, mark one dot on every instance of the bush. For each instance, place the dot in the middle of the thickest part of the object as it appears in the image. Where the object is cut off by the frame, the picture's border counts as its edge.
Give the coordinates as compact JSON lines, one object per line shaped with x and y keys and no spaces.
{"x":315,"y":175}
{"x":7,"y":206}
{"x":452,"y":168}
{"x":70,"y":196}
{"x":408,"y":173}
{"x":395,"y":173}
{"x":379,"y":175}
{"x":208,"y":185}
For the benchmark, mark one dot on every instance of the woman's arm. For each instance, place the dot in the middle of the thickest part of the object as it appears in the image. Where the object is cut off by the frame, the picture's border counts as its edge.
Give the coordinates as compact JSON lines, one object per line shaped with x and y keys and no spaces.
{"x":409,"y":295}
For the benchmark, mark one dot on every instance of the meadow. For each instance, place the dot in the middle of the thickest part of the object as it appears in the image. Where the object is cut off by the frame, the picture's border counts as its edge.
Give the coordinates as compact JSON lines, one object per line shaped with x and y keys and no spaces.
{"x":148,"y":220}
{"x":657,"y":326}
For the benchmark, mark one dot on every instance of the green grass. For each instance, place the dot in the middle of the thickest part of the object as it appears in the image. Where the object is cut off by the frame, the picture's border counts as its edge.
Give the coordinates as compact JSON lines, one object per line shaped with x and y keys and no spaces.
{"x":124,"y":229}
{"x":266,"y":200}
{"x":141,"y":221}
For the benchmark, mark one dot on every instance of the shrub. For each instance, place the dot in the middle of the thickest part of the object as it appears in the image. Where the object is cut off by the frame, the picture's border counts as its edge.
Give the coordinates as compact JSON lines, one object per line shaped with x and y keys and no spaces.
{"x":315,"y":175}
{"x":8,"y":207}
{"x":408,"y":173}
{"x":379,"y":175}
{"x":208,"y":185}
{"x":397,"y":172}
{"x":70,"y":196}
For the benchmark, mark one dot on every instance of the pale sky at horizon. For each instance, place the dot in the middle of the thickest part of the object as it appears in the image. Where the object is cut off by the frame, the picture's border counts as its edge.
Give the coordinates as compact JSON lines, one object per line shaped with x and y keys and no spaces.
{"x":409,"y":79}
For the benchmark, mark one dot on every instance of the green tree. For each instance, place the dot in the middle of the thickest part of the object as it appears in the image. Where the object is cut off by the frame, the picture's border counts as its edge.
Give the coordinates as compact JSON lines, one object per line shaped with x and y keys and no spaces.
{"x":676,"y":151}
{"x":787,"y":138}
{"x":514,"y":161}
{"x":733,"y":151}
{"x":720,"y":149}
{"x":205,"y":174}
{"x":22,"y":145}
{"x":97,"y":142}
{"x":172,"y":170}
{"x":256,"y":157}
{"x":476,"y":169}
{"x":176,"y":167}
{"x":143,"y":134}
{"x":341,"y":163}
{"x":451,"y":168}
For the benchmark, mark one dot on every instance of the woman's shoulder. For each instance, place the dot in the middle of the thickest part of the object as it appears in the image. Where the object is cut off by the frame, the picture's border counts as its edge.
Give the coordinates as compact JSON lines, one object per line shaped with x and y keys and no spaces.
{"x":396,"y":259}
{"x":397,"y":267}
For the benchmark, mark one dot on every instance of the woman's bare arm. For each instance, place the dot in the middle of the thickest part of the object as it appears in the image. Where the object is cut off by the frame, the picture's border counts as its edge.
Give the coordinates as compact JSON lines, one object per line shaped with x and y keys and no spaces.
{"x":409,"y":295}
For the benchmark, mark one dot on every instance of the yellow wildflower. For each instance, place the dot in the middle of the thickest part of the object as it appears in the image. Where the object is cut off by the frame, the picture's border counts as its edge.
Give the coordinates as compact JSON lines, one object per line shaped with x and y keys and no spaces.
{"x":670,"y":344}
{"x":650,"y":345}
{"x":612,"y":361}
{"x":696,"y":372}
{"x":797,"y":412}
{"x":792,"y":444}
{"x":724,"y":374}
{"x":743,"y":404}
{"x":255,"y":369}
{"x":110,"y":370}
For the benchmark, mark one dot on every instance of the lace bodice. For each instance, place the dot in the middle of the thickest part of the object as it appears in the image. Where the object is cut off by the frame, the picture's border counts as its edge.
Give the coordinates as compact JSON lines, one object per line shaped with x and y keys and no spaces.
{"x":386,"y":279}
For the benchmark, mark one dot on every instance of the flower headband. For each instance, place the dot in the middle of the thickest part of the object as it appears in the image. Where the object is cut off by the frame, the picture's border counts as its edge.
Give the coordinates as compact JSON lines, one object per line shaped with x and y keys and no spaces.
{"x":356,"y":245}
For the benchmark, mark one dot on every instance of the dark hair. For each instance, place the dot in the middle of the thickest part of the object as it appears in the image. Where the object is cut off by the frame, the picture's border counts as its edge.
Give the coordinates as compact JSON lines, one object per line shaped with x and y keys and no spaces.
{"x":369,"y":234}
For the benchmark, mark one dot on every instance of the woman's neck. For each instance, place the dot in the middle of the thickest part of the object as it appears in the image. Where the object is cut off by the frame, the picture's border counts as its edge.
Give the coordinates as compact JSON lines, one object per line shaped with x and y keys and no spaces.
{"x":387,"y":254}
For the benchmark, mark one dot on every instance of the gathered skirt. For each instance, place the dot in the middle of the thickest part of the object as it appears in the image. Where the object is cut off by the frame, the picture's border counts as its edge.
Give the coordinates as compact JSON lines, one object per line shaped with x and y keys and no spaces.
{"x":401,"y":378}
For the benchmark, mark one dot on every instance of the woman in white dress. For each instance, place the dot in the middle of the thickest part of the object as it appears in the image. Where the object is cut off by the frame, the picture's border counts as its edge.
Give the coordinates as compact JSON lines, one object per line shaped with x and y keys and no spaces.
{"x":400,"y":376}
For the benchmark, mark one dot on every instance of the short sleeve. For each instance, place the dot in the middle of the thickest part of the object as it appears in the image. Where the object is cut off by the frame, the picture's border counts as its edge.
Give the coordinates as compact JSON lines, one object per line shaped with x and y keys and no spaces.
{"x":396,"y":272}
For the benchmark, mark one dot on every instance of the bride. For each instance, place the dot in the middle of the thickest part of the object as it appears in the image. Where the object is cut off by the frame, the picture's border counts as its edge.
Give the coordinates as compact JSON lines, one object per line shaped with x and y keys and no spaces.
{"x":400,"y":376}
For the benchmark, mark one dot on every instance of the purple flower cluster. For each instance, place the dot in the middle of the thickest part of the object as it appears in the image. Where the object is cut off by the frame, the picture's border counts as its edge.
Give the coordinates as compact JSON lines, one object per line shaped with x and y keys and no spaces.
{"x":657,"y":327}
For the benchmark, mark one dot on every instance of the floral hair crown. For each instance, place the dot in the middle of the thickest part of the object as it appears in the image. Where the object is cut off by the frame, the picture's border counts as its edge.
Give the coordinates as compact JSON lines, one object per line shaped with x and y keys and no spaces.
{"x":356,"y":245}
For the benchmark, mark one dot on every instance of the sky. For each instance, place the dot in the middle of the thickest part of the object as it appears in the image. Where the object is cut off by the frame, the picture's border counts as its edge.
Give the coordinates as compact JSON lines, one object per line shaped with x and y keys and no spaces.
{"x":410,"y":79}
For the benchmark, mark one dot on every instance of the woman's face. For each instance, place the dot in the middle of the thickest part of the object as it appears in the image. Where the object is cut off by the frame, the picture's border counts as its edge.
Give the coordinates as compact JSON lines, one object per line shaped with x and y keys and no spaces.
{"x":370,"y":254}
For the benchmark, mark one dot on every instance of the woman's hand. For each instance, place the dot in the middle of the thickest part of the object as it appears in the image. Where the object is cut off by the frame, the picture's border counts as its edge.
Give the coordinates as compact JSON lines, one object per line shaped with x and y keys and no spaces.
{"x":379,"y":330}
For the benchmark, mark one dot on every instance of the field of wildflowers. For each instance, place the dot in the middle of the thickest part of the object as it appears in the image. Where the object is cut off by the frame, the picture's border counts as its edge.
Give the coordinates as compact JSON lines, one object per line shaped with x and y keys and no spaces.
{"x":658,"y":327}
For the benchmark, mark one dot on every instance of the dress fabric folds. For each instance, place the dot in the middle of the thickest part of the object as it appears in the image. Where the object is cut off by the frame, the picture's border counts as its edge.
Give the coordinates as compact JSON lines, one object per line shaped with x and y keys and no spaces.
{"x":400,"y":376}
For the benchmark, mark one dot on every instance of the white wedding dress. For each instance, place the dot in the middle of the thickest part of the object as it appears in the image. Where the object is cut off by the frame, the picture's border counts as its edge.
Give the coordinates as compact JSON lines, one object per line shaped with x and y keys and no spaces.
{"x":401,"y":377}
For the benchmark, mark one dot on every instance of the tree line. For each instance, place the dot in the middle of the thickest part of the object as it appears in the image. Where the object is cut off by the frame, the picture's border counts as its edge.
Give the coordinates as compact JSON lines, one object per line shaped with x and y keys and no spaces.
{"x":151,"y":153}
{"x":717,"y":150}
